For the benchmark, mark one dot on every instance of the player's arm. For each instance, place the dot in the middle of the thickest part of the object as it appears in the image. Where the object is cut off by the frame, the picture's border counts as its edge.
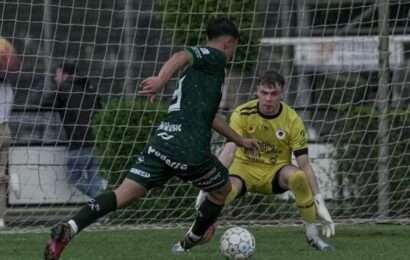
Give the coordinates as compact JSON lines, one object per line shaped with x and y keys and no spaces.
{"x":152,"y":85}
{"x":224,"y":129}
{"x":227,"y":154}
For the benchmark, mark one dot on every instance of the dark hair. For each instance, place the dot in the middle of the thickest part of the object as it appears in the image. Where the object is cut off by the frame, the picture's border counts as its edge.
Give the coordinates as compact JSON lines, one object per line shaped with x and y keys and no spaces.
{"x":272,"y":77}
{"x":221,"y":26}
{"x":68,"y":67}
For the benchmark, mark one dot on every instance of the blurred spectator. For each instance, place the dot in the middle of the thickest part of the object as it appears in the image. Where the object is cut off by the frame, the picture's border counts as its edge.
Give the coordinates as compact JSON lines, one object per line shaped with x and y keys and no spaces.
{"x":76,"y":100}
{"x":6,"y":104}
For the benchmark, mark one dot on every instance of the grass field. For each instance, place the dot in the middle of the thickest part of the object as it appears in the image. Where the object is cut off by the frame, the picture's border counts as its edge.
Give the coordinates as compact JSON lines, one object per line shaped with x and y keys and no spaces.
{"x":366,"y":242}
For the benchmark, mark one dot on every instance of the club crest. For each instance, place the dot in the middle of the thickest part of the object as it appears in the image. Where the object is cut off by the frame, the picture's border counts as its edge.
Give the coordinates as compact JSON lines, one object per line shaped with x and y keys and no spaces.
{"x":280,"y":134}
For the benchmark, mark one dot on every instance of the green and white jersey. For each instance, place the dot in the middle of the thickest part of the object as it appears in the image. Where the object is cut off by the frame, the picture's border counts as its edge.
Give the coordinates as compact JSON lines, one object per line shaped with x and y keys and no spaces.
{"x":185,"y":134}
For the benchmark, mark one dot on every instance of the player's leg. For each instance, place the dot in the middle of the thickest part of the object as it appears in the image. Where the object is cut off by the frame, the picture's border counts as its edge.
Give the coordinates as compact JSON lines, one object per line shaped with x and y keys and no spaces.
{"x":237,"y":189}
{"x":209,"y":211}
{"x":241,"y":177}
{"x":143,"y":176}
{"x":211,"y":177}
{"x":294,"y":179}
{"x":291,"y":177}
{"x":4,"y":151}
{"x":103,"y":204}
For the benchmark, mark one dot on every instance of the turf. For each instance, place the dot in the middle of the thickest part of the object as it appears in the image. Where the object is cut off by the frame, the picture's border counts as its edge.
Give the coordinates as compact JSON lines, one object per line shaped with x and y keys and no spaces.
{"x":352,"y":242}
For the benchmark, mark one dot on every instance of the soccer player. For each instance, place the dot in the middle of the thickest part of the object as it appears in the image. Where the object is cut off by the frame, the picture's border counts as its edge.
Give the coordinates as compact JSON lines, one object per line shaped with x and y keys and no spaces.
{"x":280,"y":132}
{"x":181,"y":144}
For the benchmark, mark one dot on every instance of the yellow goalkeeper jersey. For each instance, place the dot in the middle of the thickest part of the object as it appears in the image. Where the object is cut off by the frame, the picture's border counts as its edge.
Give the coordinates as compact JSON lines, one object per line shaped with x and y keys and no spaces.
{"x":278,"y":136}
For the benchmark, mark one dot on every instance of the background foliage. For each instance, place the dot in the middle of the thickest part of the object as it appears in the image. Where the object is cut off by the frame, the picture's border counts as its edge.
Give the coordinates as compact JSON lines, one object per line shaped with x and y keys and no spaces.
{"x":358,"y":143}
{"x":190,"y":30}
{"x":122,"y":130}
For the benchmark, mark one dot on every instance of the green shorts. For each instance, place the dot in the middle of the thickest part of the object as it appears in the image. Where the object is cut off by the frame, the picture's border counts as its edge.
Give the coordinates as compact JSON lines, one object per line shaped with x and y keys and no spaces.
{"x":154,"y":169}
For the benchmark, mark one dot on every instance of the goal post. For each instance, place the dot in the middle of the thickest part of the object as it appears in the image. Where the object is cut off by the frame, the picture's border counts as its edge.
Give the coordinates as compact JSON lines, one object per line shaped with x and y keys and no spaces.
{"x":347,"y":70}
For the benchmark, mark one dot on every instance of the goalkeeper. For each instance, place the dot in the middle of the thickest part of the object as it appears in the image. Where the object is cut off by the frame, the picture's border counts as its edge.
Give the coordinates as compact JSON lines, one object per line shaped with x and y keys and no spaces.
{"x":181,"y":144}
{"x":280,"y":132}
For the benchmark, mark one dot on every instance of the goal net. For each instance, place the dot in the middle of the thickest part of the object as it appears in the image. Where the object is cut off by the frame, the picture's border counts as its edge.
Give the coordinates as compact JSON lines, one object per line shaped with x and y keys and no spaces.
{"x":346,"y":67}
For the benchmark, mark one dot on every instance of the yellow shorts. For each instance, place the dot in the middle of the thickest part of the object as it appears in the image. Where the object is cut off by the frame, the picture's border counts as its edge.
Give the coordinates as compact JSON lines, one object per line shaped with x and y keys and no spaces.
{"x":257,"y":177}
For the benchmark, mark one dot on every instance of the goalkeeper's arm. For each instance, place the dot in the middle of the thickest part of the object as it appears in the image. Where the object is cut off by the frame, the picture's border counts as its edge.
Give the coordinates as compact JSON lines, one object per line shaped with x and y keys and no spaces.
{"x":328,"y":224}
{"x":224,"y":129}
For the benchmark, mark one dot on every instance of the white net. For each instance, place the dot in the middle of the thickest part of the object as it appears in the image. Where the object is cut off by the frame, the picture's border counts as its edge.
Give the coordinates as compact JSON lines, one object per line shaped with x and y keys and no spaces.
{"x":346,"y":65}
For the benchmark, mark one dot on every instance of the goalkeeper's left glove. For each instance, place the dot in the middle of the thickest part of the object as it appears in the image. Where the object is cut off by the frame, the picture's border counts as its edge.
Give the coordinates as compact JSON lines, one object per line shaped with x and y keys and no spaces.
{"x":328,"y":226}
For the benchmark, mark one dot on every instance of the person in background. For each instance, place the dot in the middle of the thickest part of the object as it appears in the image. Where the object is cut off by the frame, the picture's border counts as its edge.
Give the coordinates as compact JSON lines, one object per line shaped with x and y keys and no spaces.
{"x":6,"y":104}
{"x":76,"y":101}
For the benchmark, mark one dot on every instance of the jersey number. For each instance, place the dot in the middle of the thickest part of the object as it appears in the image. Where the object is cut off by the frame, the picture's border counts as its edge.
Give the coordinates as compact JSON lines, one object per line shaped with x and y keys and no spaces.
{"x":176,"y":97}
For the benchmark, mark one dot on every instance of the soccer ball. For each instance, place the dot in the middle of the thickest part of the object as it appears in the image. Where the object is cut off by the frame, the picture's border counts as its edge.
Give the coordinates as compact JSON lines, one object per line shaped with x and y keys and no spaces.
{"x":237,"y":243}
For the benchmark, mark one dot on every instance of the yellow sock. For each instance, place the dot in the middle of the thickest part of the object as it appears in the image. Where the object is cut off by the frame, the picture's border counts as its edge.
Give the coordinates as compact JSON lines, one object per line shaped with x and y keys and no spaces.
{"x":231,"y":196}
{"x":304,"y":199}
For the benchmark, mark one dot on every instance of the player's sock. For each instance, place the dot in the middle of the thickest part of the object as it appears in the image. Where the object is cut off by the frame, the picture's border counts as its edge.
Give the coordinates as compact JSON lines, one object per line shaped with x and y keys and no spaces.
{"x":303,"y":195}
{"x":232,"y":195}
{"x":96,"y":208}
{"x":207,"y":215}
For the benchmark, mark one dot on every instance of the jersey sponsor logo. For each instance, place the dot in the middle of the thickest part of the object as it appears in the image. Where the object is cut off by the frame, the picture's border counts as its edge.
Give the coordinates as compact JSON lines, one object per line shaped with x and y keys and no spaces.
{"x":253,"y":154}
{"x":266,"y":147}
{"x":197,"y":52}
{"x":204,"y":51}
{"x":266,"y":151}
{"x":140,"y":159}
{"x":166,"y":160}
{"x":140,"y":173}
{"x":165,"y":136}
{"x":280,"y":134}
{"x":167,"y":127}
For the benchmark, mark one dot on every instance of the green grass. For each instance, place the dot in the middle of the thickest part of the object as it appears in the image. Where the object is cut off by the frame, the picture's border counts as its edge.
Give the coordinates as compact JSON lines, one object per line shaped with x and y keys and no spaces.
{"x":366,"y":242}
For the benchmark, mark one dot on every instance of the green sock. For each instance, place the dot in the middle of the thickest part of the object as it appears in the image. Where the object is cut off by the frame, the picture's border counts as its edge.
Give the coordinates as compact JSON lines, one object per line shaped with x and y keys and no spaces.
{"x":95,"y":208}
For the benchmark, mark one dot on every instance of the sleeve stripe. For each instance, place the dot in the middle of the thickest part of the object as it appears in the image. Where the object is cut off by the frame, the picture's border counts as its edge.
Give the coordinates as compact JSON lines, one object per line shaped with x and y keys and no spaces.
{"x":246,"y":113}
{"x":248,"y":108}
{"x":300,"y":152}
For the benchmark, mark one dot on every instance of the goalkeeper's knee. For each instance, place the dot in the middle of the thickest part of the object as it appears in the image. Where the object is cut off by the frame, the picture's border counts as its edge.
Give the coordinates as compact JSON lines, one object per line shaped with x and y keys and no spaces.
{"x":299,"y":185}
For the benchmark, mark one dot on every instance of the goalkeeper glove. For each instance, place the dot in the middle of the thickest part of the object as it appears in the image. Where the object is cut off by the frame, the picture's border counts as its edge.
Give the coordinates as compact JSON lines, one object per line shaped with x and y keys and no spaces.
{"x":314,"y":240}
{"x":328,"y":226}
